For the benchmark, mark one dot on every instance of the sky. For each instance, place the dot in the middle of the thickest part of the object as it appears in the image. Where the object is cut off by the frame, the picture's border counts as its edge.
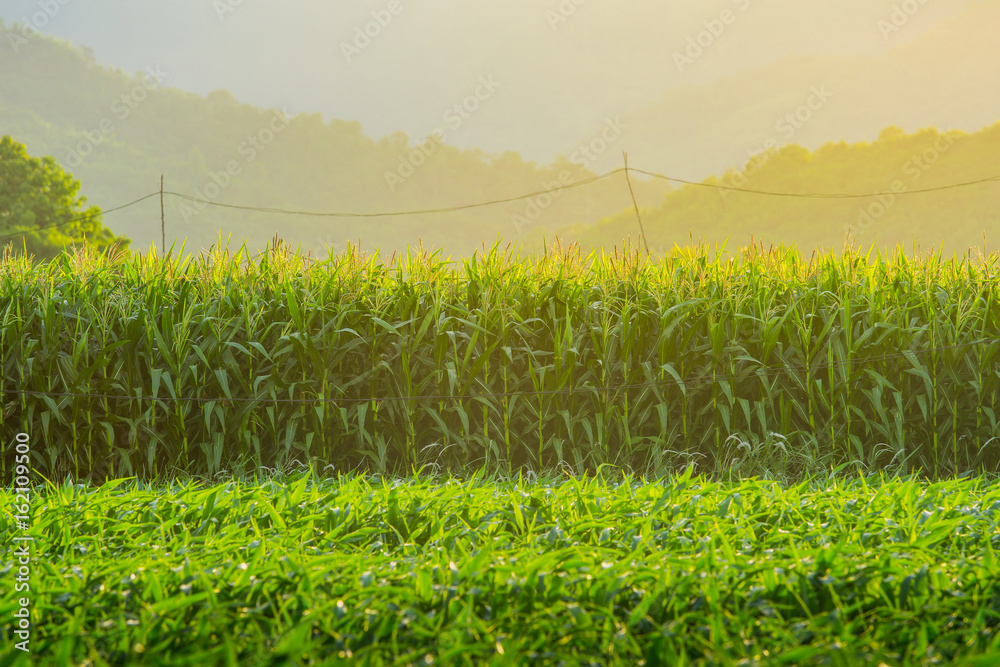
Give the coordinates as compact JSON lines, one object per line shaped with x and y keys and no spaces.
{"x":527,"y":75}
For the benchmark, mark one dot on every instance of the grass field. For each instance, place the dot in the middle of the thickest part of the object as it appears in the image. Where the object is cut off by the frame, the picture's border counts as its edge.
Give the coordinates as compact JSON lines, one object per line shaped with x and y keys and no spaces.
{"x":357,"y":570}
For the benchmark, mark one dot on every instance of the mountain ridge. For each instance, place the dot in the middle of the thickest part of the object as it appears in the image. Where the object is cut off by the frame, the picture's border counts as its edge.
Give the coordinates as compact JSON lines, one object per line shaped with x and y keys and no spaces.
{"x":117,"y":132}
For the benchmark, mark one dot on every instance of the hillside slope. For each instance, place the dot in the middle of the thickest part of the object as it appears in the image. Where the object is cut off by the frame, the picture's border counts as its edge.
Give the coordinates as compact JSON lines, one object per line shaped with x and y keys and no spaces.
{"x":957,"y":218}
{"x":118,"y":132}
{"x":565,"y":66}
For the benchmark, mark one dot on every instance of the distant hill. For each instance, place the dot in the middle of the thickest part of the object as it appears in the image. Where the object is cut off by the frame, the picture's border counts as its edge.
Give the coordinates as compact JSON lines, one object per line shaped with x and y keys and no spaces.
{"x":565,"y":65}
{"x":117,"y":132}
{"x":944,"y":78}
{"x":957,"y":218}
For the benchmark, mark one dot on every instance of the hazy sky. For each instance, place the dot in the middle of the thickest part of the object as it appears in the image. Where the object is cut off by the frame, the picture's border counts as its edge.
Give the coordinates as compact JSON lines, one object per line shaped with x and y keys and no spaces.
{"x":547,"y":71}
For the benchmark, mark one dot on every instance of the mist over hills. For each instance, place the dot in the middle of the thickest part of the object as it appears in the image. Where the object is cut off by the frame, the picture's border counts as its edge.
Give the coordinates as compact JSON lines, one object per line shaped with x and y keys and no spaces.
{"x":565,"y":67}
{"x":955,"y":219}
{"x":945,"y":78}
{"x":118,"y":132}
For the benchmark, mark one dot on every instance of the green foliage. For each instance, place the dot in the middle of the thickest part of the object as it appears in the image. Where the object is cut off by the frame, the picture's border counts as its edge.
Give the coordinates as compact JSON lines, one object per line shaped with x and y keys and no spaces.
{"x":36,"y":197}
{"x":683,"y":571}
{"x":512,"y":363}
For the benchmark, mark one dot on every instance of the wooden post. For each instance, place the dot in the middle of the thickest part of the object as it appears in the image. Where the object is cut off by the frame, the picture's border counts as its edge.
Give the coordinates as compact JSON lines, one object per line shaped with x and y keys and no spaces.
{"x":163,"y":222}
{"x":642,"y":231}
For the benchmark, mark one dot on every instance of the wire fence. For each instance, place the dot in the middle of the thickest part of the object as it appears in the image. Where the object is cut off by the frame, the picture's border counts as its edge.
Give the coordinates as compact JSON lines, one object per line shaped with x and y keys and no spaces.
{"x":762,"y":371}
{"x":493,"y":202}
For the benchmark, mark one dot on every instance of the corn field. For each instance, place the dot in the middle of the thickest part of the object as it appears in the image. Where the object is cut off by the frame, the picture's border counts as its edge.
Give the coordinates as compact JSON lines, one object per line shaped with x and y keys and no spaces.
{"x":146,"y":366}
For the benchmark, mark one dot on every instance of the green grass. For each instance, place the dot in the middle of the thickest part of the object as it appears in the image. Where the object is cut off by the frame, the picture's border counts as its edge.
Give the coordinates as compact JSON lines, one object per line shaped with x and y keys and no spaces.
{"x":153,"y":367}
{"x":366,"y":571}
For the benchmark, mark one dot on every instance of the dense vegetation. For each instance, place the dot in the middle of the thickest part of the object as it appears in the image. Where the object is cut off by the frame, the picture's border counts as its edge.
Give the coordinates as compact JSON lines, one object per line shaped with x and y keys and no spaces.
{"x":370,"y":572}
{"x":146,"y":365}
{"x":896,"y":162}
{"x":41,"y":210}
{"x":556,"y":386}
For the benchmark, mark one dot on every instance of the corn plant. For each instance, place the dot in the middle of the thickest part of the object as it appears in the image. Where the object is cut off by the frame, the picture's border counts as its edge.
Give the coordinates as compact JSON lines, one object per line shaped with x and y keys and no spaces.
{"x":147,"y":366}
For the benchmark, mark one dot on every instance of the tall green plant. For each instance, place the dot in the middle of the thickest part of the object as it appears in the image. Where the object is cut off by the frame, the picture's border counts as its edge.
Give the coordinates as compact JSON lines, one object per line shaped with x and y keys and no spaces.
{"x":146,"y":365}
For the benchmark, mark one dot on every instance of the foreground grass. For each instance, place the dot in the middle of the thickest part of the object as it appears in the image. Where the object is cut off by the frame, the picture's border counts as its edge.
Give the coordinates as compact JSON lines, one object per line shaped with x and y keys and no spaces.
{"x":580,"y":571}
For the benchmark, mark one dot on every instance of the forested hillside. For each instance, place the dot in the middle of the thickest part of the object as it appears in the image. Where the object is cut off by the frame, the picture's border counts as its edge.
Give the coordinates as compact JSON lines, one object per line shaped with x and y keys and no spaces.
{"x":118,"y":132}
{"x":896,"y":162}
{"x":548,"y":103}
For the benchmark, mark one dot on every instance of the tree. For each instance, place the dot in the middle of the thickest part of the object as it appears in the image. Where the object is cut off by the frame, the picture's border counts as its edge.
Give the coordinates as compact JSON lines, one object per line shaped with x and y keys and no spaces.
{"x":41,"y":209}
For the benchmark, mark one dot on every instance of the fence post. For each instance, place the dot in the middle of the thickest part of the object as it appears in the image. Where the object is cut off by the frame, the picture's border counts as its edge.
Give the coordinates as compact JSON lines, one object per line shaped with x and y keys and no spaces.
{"x":163,"y":222}
{"x":628,"y":180}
